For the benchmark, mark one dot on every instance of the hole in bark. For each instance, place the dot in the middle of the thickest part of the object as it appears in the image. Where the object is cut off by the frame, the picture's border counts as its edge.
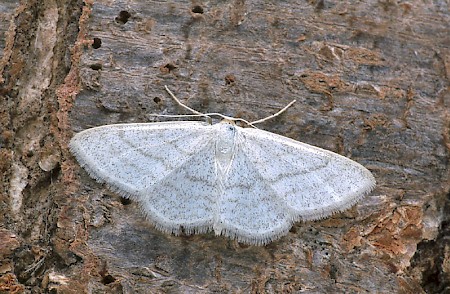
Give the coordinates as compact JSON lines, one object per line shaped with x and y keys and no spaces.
{"x":293,"y":230}
{"x":123,"y":17}
{"x":197,"y":9}
{"x":125,"y":201}
{"x":156,"y":99}
{"x":230,"y":79}
{"x":108,"y":279}
{"x":97,"y":43}
{"x":168,"y":68}
{"x":96,"y":66}
{"x":320,"y":5}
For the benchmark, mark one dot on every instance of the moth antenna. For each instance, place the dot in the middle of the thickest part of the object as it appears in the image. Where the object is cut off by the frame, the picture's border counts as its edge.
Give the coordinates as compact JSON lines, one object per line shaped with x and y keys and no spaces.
{"x":274,"y":115}
{"x":208,"y":115}
{"x":208,"y":118}
{"x":183,"y":105}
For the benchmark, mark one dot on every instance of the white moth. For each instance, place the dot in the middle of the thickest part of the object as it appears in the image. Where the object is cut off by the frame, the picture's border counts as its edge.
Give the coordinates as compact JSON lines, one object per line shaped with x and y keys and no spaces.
{"x":244,"y":183}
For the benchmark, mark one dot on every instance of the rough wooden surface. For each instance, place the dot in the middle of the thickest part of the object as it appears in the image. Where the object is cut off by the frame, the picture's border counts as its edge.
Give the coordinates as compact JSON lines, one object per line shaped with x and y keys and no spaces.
{"x":371,"y":81}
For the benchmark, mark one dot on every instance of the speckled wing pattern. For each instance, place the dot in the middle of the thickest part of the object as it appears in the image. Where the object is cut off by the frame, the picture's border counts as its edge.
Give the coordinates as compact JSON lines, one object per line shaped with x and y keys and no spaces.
{"x":244,"y":183}
{"x":291,"y":181}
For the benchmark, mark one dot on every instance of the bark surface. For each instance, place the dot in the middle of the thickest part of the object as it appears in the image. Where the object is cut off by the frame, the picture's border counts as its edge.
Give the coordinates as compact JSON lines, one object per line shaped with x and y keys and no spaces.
{"x":371,"y":81}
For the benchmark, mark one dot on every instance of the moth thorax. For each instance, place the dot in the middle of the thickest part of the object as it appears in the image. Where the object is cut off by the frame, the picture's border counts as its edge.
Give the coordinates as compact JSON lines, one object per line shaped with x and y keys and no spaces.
{"x":225,"y":145}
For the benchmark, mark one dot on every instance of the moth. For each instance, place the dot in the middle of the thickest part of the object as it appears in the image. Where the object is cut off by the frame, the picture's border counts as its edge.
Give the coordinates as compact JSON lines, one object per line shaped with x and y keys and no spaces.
{"x":245,"y":183}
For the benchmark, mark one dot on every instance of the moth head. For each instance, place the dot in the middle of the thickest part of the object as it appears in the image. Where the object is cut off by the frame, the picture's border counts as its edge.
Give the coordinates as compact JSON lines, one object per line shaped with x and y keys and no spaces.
{"x":229,"y":124}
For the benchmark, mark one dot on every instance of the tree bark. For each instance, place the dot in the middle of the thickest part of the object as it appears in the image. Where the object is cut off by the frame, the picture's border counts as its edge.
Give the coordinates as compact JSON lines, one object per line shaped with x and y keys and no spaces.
{"x":371,"y":82}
